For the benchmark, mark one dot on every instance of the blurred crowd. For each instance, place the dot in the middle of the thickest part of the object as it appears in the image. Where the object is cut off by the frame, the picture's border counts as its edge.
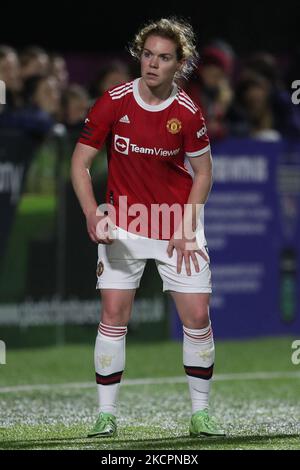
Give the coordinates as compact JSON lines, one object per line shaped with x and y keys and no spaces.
{"x":243,"y":97}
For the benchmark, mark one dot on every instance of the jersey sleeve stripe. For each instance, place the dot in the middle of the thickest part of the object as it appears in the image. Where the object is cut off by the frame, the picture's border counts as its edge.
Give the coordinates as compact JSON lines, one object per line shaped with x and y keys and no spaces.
{"x":86,"y":135}
{"x":185,"y":105}
{"x":117,"y":92}
{"x":198,"y":152}
{"x":187,"y":100}
{"x":116,"y":88}
{"x":120,"y":91}
{"x":123,"y":94}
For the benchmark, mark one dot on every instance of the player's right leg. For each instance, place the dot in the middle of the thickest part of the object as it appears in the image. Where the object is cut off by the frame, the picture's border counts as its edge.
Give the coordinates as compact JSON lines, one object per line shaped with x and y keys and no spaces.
{"x":119,"y":275}
{"x":110,"y":356}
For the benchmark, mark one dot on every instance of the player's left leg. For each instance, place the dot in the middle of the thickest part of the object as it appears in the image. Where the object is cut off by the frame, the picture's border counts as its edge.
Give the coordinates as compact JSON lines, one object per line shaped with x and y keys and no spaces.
{"x":198,"y":345}
{"x":198,"y":358}
{"x":191,"y":295}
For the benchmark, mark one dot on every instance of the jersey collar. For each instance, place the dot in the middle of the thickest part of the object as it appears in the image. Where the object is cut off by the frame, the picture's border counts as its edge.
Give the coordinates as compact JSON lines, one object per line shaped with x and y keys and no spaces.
{"x":149,"y":107}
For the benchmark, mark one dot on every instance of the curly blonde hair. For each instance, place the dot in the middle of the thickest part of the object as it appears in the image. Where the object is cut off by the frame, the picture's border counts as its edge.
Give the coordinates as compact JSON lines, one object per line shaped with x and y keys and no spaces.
{"x":179,"y":31}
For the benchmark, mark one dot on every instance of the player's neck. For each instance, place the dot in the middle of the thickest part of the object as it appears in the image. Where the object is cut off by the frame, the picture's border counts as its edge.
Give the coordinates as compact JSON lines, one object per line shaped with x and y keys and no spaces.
{"x":154,"y":95}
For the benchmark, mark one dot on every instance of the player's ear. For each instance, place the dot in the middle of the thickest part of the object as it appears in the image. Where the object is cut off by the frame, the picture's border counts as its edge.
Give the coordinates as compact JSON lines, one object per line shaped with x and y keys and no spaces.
{"x":180,"y":65}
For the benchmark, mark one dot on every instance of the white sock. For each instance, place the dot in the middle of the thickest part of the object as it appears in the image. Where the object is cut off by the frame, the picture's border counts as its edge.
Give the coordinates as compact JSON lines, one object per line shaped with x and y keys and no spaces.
{"x":198,"y":360}
{"x":109,"y":365}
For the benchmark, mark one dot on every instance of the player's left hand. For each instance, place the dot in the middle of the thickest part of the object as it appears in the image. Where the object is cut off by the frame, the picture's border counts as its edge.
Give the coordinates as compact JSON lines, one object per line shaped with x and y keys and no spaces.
{"x":180,"y":245}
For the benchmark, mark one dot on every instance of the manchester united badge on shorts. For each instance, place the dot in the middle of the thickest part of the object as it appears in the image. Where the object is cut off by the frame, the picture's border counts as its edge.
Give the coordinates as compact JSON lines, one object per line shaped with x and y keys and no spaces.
{"x":174,"y":126}
{"x":100,"y":268}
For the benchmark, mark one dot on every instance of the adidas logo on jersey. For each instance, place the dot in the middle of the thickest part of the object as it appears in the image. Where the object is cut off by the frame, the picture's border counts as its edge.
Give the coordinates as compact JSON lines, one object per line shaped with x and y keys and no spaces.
{"x":125,"y":119}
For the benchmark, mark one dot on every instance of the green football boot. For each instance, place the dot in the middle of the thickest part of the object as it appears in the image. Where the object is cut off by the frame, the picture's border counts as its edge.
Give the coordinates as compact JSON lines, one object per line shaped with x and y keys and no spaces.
{"x":202,"y":424}
{"x":105,"y":426}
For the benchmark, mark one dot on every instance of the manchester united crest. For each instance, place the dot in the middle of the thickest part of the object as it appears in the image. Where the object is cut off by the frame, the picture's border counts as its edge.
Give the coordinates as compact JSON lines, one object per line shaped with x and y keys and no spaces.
{"x":100,"y":268}
{"x":174,"y":126}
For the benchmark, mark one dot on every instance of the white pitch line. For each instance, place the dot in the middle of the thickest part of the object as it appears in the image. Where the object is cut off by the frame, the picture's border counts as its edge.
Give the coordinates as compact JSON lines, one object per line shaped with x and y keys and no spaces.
{"x":155,"y":381}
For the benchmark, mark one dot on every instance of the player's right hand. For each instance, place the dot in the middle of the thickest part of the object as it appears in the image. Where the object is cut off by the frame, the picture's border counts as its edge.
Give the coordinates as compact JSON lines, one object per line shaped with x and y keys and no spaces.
{"x":100,"y":228}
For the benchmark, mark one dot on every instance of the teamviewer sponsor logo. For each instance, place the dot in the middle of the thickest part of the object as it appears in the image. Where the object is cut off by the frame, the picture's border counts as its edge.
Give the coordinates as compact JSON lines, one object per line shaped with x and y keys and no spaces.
{"x":158,"y":152}
{"x":122,"y":144}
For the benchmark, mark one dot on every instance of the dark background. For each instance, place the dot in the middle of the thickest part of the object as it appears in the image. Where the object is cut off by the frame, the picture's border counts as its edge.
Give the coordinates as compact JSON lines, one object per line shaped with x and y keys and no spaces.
{"x":103,"y":26}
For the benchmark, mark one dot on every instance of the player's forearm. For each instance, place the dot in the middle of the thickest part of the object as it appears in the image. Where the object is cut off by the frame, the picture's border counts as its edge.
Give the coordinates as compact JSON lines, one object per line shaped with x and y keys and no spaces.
{"x":200,"y":189}
{"x":82,"y":185}
{"x":198,"y":196}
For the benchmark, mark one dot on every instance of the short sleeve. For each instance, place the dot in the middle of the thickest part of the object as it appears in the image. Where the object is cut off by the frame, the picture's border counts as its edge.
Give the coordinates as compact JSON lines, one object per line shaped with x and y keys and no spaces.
{"x":98,"y":122}
{"x":196,"y":141}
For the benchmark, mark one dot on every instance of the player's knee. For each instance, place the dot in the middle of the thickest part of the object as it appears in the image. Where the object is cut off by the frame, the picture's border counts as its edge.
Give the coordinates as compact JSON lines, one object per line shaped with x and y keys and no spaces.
{"x":198,"y":320}
{"x":115,"y":316}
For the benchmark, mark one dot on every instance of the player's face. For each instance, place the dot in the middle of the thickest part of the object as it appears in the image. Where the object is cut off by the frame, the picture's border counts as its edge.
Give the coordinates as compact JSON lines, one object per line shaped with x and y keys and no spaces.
{"x":159,"y":61}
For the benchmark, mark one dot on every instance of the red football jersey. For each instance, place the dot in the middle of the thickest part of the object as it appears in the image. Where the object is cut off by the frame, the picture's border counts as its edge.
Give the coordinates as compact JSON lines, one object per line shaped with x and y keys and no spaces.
{"x":146,"y":149}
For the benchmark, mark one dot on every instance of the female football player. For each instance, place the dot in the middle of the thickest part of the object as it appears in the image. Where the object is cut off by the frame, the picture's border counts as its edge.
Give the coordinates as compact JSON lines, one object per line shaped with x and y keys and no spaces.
{"x":152,"y":130}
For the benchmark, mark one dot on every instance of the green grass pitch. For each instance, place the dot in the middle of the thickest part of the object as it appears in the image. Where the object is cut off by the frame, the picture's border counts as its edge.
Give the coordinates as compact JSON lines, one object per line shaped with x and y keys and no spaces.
{"x":48,"y":398}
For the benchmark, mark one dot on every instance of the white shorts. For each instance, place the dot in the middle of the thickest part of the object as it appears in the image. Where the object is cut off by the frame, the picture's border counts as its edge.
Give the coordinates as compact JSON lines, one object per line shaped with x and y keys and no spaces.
{"x":121,"y":265}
